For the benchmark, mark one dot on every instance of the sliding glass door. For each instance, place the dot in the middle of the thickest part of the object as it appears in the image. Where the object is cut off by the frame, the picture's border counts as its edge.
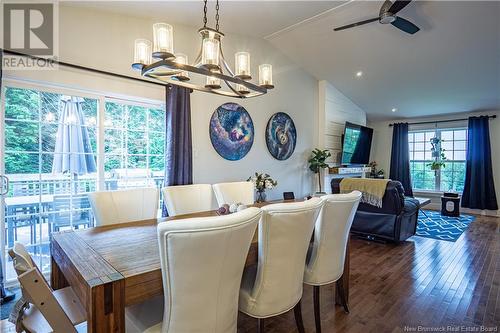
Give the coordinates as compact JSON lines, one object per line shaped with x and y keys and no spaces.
{"x":59,"y":147}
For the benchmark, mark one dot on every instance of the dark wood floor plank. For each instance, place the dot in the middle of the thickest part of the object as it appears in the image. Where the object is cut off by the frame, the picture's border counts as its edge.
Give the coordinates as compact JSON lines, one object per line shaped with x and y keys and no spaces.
{"x":420,"y":282}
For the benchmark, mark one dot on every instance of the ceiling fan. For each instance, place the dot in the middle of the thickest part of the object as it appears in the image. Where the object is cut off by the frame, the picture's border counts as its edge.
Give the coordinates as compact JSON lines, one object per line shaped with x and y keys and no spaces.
{"x":387,"y":15}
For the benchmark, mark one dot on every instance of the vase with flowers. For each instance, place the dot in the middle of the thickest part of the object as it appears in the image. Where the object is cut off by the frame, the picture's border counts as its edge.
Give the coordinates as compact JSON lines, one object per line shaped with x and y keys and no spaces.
{"x":262,"y":182}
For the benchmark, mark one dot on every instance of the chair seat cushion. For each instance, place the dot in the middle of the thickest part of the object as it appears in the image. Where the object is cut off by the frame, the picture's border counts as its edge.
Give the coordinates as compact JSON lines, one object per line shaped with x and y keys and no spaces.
{"x":154,"y":329}
{"x":145,"y":316}
{"x":34,"y":321}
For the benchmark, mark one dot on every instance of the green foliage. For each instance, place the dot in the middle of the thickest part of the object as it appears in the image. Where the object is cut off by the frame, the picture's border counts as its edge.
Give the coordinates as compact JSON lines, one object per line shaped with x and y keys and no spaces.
{"x":317,"y":160}
{"x":31,"y":121}
{"x":438,"y":154}
{"x":21,"y":133}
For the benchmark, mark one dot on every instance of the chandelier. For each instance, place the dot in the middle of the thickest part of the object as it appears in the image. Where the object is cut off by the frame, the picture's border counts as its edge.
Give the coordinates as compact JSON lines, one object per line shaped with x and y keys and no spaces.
{"x":210,"y":71}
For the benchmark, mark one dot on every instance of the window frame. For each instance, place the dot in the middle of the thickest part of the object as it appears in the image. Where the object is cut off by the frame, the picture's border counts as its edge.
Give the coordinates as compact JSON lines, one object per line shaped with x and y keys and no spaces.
{"x":53,"y":88}
{"x":437,"y":133}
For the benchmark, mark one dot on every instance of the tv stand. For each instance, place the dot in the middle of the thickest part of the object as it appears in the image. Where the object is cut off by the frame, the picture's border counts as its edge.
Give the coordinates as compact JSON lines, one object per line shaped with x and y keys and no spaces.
{"x":350,"y":171}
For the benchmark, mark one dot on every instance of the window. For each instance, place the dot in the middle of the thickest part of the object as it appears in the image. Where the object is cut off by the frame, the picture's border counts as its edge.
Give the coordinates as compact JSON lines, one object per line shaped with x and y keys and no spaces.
{"x":451,"y":177}
{"x":134,"y":144}
{"x":44,"y":195}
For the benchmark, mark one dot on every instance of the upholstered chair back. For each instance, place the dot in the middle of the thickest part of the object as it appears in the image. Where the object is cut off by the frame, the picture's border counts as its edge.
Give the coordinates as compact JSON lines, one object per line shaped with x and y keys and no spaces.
{"x":230,"y":193}
{"x":202,"y":261}
{"x":112,"y":207}
{"x":327,"y":255}
{"x":185,"y":199}
{"x":285,"y":232}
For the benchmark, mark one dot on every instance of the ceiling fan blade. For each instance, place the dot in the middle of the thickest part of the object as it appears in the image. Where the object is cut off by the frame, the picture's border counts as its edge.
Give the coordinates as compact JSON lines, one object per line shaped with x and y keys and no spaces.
{"x":405,"y":25}
{"x":356,"y":24}
{"x":398,"y":5}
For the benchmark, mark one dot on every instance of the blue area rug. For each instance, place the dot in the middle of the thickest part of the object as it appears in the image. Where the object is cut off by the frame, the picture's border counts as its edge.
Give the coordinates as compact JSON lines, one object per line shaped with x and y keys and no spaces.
{"x":442,"y":227}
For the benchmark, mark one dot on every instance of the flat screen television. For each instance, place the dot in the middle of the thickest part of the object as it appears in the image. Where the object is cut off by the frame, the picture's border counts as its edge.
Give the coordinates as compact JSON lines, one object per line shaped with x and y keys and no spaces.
{"x":356,"y":145}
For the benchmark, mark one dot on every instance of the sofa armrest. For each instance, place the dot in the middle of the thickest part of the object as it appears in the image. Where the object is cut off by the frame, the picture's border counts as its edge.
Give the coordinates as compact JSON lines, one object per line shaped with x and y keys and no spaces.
{"x":411,"y":205}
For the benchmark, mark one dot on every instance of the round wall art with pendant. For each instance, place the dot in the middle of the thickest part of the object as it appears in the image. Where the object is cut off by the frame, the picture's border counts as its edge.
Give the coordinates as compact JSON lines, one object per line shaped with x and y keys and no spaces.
{"x":281,"y":136}
{"x":231,"y":131}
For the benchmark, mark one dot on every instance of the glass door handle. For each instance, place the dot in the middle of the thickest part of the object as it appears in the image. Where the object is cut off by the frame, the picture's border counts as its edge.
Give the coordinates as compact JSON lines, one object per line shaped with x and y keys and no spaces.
{"x":5,"y":185}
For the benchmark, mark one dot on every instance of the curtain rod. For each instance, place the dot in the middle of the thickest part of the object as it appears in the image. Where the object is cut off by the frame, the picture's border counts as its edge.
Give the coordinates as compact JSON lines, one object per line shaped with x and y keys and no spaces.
{"x":89,"y":69}
{"x":441,"y":121}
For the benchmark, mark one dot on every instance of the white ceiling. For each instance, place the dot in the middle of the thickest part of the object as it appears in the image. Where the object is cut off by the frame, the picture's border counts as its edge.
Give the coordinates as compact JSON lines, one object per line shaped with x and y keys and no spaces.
{"x":451,"y":65}
{"x":256,"y":18}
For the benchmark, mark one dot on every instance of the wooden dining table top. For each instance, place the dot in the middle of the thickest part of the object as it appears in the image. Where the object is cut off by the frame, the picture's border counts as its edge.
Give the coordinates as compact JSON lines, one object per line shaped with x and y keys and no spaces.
{"x":126,"y":251}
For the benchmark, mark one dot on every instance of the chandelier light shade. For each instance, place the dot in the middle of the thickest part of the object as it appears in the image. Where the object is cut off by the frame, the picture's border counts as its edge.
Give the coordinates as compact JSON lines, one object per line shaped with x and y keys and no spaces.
{"x":266,"y":76}
{"x":212,"y":83}
{"x":242,"y":64}
{"x":210,"y":53}
{"x":209,"y":72}
{"x":142,"y":52}
{"x":163,"y":41}
{"x":182,"y":59}
{"x":242,"y":89}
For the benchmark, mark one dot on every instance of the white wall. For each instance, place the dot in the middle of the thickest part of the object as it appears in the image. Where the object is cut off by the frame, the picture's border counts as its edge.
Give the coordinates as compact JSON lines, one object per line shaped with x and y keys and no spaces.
{"x":382,"y":142}
{"x":105,"y":41}
{"x":334,"y":110}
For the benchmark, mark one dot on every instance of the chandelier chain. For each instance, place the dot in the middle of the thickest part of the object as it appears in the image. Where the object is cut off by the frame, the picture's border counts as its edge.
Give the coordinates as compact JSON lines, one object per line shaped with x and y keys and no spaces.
{"x":217,"y":15}
{"x":205,"y":13}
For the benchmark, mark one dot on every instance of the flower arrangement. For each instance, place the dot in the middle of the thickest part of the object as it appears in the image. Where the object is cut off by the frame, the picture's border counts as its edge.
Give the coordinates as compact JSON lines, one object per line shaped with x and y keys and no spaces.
{"x":262,"y":182}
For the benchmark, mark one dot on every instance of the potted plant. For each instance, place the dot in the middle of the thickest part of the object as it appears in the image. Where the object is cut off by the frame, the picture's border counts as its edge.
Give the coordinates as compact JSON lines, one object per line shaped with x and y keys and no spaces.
{"x":374,"y":173}
{"x":262,"y":182}
{"x":317,"y":163}
{"x":437,"y":154}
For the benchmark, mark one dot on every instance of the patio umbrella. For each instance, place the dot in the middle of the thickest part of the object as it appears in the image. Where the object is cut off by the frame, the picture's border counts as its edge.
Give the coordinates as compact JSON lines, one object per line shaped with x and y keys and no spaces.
{"x":73,"y":152}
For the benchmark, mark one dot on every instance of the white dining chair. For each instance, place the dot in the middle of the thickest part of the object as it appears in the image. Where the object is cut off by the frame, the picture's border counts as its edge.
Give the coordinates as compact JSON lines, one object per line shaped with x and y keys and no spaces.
{"x":202,"y":261}
{"x":326,"y":256}
{"x":44,"y":310}
{"x":121,"y":206}
{"x":186,"y":199}
{"x":235,"y":192}
{"x":274,"y":285}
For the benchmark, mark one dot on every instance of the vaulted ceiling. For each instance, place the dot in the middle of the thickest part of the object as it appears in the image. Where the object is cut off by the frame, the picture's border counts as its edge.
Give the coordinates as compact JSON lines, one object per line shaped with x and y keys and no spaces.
{"x":451,"y":65}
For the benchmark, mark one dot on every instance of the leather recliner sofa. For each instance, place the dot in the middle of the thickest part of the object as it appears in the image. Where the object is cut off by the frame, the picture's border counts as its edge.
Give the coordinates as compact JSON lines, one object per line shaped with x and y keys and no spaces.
{"x":395,"y":221}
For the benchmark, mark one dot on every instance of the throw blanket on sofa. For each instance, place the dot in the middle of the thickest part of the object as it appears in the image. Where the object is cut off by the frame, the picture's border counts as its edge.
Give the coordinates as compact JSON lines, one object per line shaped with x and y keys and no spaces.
{"x":373,"y":189}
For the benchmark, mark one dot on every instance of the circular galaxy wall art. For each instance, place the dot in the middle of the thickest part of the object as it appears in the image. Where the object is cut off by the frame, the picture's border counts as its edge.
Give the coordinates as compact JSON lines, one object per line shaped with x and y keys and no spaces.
{"x":281,"y":136}
{"x":231,"y":131}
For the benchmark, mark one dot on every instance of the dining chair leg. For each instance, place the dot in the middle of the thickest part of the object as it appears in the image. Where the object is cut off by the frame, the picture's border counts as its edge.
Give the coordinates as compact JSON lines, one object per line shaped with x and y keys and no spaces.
{"x":317,"y":317}
{"x":340,"y":291}
{"x":297,"y":311}
{"x":260,"y":325}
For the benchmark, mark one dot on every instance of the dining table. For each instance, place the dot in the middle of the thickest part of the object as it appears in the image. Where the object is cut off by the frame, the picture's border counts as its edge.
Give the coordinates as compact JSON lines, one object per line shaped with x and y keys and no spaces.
{"x":114,"y":266}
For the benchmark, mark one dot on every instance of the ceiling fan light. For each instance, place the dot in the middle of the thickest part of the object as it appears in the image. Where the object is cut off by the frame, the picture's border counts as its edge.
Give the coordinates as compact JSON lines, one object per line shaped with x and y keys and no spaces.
{"x":163,"y":41}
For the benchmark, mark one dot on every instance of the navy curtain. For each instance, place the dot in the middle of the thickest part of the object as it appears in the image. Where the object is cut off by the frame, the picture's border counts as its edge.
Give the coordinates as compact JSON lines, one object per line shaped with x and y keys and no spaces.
{"x":479,"y":189}
{"x":400,"y":157}
{"x":178,"y":141}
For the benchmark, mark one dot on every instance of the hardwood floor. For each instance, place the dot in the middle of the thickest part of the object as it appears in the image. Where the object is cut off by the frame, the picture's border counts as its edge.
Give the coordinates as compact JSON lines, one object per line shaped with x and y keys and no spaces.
{"x":421,"y":282}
